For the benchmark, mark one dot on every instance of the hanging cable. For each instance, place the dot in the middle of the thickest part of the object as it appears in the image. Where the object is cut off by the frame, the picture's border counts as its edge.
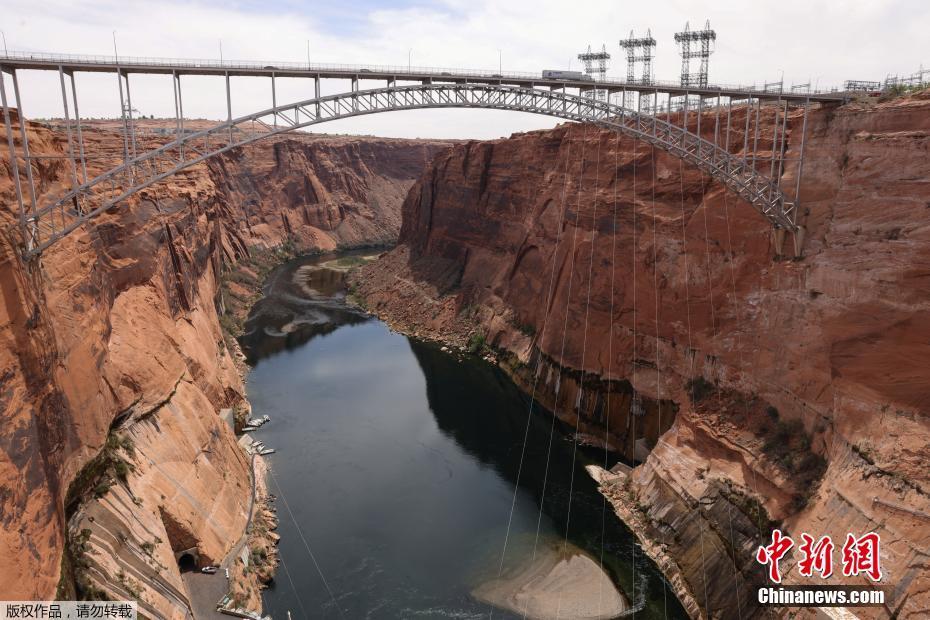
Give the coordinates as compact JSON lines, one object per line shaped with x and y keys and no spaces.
{"x":568,"y":296}
{"x":300,"y":603}
{"x":306,"y":544}
{"x":610,"y":354}
{"x":741,"y":368}
{"x":529,"y":415}
{"x":634,"y":404}
{"x":754,"y":482}
{"x":584,"y":346}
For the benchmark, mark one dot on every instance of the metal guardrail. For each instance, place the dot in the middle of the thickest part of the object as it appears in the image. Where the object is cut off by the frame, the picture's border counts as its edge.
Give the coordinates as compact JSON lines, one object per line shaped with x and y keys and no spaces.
{"x":130,"y":62}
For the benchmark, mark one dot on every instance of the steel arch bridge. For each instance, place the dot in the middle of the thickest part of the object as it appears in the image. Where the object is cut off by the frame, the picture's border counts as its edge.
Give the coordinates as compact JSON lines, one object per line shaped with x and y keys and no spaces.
{"x":45,"y":224}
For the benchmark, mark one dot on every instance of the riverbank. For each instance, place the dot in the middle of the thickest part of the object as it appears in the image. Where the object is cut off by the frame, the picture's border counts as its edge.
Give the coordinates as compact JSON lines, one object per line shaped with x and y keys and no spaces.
{"x":253,"y":562}
{"x":615,"y":486}
{"x":561,"y":582}
{"x":349,"y":393}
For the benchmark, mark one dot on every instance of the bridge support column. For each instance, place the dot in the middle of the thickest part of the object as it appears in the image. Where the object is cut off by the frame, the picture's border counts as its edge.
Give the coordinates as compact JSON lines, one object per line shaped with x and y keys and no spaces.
{"x":178,"y":114}
{"x":80,"y":135}
{"x":129,"y":117}
{"x":122,"y":111}
{"x":274,"y":101}
{"x":799,"y":242}
{"x":316,"y":94}
{"x":64,"y":103}
{"x":229,"y":108}
{"x":14,"y":165}
{"x":778,"y":241}
{"x":28,"y":160}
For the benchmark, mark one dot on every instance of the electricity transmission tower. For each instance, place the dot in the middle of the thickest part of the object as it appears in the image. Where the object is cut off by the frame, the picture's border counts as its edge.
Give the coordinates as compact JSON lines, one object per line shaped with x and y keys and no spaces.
{"x":695,"y":44}
{"x":595,"y":65}
{"x":638,"y":51}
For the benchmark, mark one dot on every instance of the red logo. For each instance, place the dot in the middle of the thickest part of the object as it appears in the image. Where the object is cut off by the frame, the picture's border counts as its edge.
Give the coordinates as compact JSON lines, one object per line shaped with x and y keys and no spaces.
{"x":860,"y":555}
{"x":771,"y":554}
{"x":817,"y":556}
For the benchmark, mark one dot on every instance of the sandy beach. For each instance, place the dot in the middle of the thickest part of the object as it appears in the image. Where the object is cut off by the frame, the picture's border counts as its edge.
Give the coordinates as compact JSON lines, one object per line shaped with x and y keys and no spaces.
{"x":560,"y":583}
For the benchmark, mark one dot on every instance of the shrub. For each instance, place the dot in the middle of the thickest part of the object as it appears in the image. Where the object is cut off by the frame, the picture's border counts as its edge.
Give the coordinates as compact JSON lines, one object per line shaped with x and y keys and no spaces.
{"x":699,"y":388}
{"x":122,"y":469}
{"x":101,"y":488}
{"x":789,"y":445}
{"x":126,"y":443}
{"x":476,"y":343}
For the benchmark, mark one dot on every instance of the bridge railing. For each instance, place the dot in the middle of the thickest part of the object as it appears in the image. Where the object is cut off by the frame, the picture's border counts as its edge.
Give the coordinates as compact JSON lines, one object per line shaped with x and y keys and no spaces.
{"x":360,"y":69}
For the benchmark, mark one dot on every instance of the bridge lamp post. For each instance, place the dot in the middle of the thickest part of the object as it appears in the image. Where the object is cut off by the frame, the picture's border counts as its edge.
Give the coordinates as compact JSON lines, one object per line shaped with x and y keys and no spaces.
{"x":409,"y":55}
{"x":500,"y":62}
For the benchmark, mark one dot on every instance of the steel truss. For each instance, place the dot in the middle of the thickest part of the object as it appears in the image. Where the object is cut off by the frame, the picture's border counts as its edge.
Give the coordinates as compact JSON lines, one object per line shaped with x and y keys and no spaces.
{"x":50,"y":222}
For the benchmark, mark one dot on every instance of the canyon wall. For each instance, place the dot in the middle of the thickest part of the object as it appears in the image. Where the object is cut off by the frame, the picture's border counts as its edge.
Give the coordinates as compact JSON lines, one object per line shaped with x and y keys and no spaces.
{"x":114,"y":366}
{"x":642,"y":303}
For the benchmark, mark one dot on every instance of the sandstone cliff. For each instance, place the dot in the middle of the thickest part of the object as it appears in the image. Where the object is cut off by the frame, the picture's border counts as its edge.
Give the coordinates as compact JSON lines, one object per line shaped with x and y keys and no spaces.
{"x":752,"y":391}
{"x":114,"y":366}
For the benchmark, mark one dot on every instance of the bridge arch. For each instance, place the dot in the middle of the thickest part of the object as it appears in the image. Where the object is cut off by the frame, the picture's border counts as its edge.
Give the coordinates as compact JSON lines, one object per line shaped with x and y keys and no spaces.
{"x":63,"y":215}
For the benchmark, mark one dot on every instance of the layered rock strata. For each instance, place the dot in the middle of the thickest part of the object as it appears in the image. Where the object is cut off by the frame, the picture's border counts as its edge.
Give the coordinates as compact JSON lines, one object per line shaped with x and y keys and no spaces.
{"x":114,"y":461}
{"x":640,"y":302}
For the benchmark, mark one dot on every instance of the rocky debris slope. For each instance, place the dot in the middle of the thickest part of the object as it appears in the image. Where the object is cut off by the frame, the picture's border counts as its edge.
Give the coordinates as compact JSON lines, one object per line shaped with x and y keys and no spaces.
{"x":114,"y":366}
{"x":753,"y":391}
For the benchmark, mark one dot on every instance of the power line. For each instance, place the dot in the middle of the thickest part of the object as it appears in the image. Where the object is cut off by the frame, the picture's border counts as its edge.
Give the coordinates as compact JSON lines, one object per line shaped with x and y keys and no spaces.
{"x":584,"y":345}
{"x":306,"y":544}
{"x":568,"y":295}
{"x":539,"y":358}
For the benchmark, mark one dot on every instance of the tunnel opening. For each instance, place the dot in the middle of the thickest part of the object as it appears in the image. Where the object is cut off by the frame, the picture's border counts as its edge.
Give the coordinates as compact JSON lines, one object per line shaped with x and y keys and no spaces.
{"x":187,"y":563}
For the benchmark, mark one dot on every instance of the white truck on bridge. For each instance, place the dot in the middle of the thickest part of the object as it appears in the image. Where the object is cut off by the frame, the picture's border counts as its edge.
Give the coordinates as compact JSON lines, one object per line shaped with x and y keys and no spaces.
{"x":556,"y":74}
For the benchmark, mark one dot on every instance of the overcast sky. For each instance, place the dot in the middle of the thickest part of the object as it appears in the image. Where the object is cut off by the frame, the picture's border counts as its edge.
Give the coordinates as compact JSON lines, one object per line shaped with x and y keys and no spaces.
{"x":824,"y":41}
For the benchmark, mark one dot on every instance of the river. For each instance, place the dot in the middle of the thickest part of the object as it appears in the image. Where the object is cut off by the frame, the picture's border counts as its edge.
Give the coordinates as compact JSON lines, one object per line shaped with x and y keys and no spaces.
{"x":395,"y":467}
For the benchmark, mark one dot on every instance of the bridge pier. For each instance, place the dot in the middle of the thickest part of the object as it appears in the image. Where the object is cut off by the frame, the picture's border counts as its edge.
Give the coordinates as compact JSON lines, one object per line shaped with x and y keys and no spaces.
{"x":797,"y":242}
{"x":778,"y":241}
{"x":798,"y":239}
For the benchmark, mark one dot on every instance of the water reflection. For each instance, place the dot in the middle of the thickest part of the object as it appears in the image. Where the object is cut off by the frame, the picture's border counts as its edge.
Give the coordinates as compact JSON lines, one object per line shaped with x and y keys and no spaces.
{"x":301,"y":300}
{"x":399,"y":461}
{"x":486,"y":414}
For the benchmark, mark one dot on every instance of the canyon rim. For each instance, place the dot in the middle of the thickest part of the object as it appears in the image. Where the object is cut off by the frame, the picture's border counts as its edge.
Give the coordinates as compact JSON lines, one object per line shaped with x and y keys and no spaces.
{"x":750,"y":390}
{"x":718,"y":383}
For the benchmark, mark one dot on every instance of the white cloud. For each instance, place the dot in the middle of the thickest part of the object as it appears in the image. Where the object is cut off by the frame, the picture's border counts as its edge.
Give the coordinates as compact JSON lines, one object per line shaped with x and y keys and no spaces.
{"x":825,"y":42}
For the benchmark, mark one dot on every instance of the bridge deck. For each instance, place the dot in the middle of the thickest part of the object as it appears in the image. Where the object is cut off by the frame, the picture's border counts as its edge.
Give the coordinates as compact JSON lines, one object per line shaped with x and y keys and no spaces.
{"x":424,"y":75}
